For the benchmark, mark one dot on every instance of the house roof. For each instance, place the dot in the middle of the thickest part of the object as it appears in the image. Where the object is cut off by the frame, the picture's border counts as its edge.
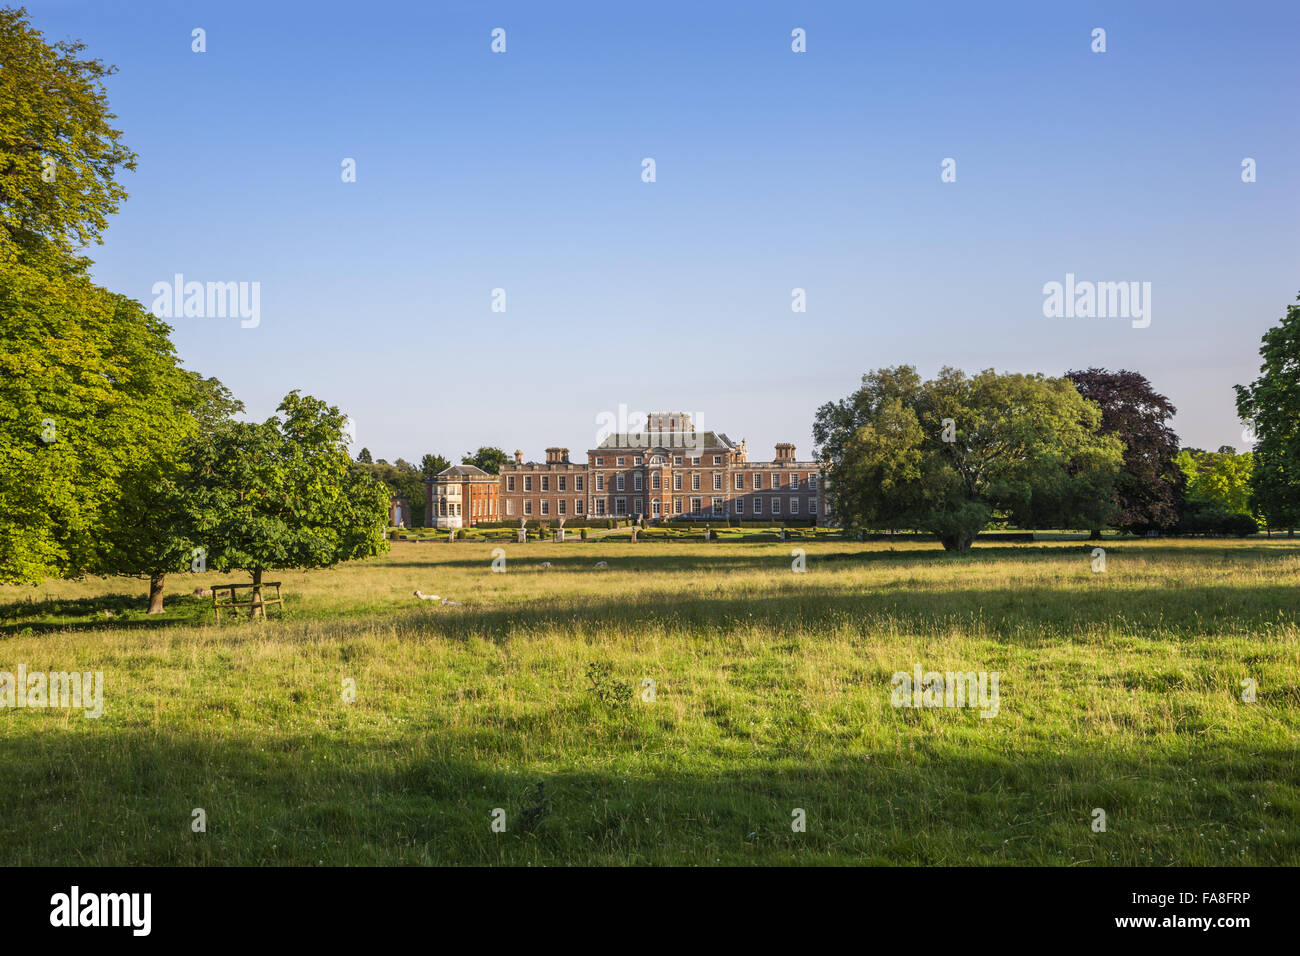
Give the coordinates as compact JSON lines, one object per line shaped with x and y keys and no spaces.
{"x":464,"y":471}
{"x":667,"y":440}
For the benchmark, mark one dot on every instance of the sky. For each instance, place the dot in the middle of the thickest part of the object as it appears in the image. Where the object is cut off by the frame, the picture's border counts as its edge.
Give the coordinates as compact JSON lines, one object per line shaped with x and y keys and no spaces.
{"x":774,"y":170}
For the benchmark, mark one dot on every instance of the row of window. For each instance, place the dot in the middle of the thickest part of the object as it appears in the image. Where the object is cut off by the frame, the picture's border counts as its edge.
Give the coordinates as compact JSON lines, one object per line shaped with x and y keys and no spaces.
{"x":480,"y":508}
{"x":545,"y":481}
{"x":695,"y":506}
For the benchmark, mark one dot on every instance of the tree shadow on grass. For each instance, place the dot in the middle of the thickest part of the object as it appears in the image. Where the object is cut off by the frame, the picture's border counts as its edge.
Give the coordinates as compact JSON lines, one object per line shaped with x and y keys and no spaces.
{"x":126,"y":797}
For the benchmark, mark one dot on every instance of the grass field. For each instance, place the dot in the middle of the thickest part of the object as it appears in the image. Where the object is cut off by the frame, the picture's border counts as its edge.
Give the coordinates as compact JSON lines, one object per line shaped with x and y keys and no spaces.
{"x":1120,"y":691}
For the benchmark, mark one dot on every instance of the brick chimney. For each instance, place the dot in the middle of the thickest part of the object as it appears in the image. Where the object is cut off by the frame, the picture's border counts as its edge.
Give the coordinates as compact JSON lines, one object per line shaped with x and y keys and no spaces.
{"x":784,"y":452}
{"x":557,"y":456}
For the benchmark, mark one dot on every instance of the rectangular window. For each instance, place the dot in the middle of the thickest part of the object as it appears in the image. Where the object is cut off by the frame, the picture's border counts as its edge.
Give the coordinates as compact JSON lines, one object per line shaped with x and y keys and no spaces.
{"x":528,"y":483}
{"x":510,"y":506}
{"x":563,"y":506}
{"x":794,"y":506}
{"x":717,"y":507}
{"x":739,"y":504}
{"x":758,"y":506}
{"x":546,"y":506}
{"x":577,"y":506}
{"x":546,"y":483}
{"x":717,"y":481}
{"x":618,"y":483}
{"x":636,"y":507}
{"x":621,"y":462}
{"x":577,"y":483}
{"x":695,"y":460}
{"x":695,"y":481}
{"x":562,"y":481}
{"x":528,"y":506}
{"x":812,"y":506}
{"x":677,"y":505}
{"x":697,"y":506}
{"x":600,"y":482}
{"x":636,"y":460}
{"x":600,"y":506}
{"x":600,"y":461}
{"x":740,"y":482}
{"x":717,"y":459}
{"x":794,"y":482}
{"x":758,"y":480}
{"x":636,"y":481}
{"x":776,"y":506}
{"x":510,"y":483}
{"x":812,"y":482}
{"x":620,"y":506}
{"x":677,"y":482}
{"x":677,"y":459}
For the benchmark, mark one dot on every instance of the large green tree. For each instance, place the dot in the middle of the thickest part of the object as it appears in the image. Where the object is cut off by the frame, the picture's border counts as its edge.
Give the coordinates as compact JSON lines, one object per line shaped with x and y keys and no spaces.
{"x":59,"y":151}
{"x":488,"y":458}
{"x":947,"y":455}
{"x":282,"y":493}
{"x":1272,"y":405}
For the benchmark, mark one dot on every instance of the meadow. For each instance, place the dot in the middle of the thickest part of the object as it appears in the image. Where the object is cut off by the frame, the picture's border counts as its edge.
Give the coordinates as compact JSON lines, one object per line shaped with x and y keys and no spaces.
{"x":1120,"y":691}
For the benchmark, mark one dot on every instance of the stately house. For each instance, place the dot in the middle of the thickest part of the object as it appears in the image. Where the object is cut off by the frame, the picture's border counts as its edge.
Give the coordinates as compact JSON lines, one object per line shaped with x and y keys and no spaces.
{"x":669,"y":471}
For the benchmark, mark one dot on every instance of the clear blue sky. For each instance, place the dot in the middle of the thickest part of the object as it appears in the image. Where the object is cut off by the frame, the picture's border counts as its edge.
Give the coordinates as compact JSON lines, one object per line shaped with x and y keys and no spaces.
{"x":775,"y":170}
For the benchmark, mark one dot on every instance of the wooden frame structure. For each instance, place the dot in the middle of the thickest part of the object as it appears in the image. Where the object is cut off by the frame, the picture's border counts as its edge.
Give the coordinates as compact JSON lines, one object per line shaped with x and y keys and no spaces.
{"x":255,"y":600}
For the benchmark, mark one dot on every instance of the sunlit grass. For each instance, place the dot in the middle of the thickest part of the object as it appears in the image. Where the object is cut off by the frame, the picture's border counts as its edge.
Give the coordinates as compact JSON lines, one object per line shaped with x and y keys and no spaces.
{"x":1119,"y":691}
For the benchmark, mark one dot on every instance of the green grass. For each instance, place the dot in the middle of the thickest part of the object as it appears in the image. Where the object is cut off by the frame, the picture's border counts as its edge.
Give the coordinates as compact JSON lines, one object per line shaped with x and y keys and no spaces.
{"x":1119,"y":690}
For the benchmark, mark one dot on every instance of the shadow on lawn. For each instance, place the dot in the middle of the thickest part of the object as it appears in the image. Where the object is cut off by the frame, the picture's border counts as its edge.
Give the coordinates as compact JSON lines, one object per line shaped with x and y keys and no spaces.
{"x":126,"y":798}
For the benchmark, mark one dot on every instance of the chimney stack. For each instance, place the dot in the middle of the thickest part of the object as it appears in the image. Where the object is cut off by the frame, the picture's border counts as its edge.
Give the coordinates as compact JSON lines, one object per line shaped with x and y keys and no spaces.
{"x":557,"y":456}
{"x":784,"y":452}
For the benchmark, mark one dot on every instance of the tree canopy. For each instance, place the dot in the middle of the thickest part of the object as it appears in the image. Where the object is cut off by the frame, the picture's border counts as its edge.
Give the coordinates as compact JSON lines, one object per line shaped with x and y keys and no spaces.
{"x":945,"y":455}
{"x":1272,"y":405}
{"x":488,"y":458}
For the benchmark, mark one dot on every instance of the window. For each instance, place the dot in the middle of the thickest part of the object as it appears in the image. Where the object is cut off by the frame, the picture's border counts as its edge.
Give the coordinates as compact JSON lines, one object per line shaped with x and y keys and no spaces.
{"x":739,"y":506}
{"x":758,"y":506}
{"x":618,"y":482}
{"x":695,"y":481}
{"x":677,"y":459}
{"x":528,"y":506}
{"x":600,"y":461}
{"x":717,"y":507}
{"x":776,"y":506}
{"x":546,"y":506}
{"x":654,"y":481}
{"x":621,"y":462}
{"x":510,"y":483}
{"x":794,"y":482}
{"x":794,"y":506}
{"x":758,"y":481}
{"x":577,"y":483}
{"x":577,"y":506}
{"x":677,"y":482}
{"x":620,"y":506}
{"x":636,"y":460}
{"x":636,"y":506}
{"x":600,"y":482}
{"x":717,"y":481}
{"x":677,"y":505}
{"x":563,"y":506}
{"x":510,"y":506}
{"x":654,"y":507}
{"x":697,"y":506}
{"x":636,"y":481}
{"x":695,"y":460}
{"x":562,"y":481}
{"x":546,"y":483}
{"x":717,"y":459}
{"x":812,"y":482}
{"x":740,"y":482}
{"x":812,"y":506}
{"x":776,"y":479}
{"x":600,"y":506}
{"x":528,"y":483}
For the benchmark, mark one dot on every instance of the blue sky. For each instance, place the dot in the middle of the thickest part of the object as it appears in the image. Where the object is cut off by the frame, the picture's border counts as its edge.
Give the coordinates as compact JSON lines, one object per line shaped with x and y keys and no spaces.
{"x":775,"y":170}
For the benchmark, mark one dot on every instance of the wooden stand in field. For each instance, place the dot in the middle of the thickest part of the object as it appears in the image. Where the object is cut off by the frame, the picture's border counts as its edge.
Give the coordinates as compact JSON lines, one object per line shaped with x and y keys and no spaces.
{"x":255,"y":601}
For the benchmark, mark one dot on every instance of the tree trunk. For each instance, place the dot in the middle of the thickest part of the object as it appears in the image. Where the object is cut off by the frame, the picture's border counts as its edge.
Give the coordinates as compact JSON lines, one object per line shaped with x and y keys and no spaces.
{"x":256,"y":610}
{"x":156,"y":592}
{"x":1096,"y":535}
{"x":957,"y":542}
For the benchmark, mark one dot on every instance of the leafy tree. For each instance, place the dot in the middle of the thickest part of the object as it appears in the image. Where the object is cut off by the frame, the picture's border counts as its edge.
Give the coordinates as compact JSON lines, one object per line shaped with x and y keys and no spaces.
{"x":59,"y":153}
{"x":1149,"y":488}
{"x":488,"y":458}
{"x":431,"y":465}
{"x":944,"y":455}
{"x":152,"y":529}
{"x":403,"y":480}
{"x":1220,"y":478}
{"x":282,"y":493}
{"x":1272,"y":405}
{"x":364,"y":457}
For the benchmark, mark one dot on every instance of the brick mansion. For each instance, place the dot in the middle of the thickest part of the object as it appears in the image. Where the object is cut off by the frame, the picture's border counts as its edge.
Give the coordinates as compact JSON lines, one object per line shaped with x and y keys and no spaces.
{"x":670,"y":470}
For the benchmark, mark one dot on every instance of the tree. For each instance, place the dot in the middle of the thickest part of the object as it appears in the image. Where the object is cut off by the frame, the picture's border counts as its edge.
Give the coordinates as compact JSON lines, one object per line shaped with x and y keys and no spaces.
{"x":59,"y":153}
{"x":945,"y":455}
{"x":1149,"y":488}
{"x":431,"y":465}
{"x":364,"y":457}
{"x":488,"y":458}
{"x":282,"y":494}
{"x":1272,"y":405}
{"x":152,"y":529}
